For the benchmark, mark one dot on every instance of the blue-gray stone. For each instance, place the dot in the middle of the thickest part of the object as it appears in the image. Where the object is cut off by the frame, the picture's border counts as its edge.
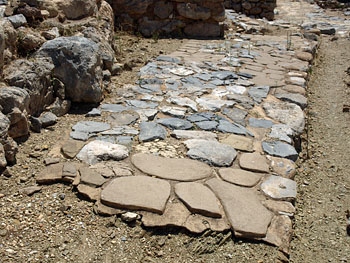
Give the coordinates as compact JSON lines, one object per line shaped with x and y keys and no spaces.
{"x":125,"y":140}
{"x":293,"y":98}
{"x":280,"y":149}
{"x":17,"y":20}
{"x":107,"y":138}
{"x":91,"y":126}
{"x":218,"y":82}
{"x":211,"y":152}
{"x":245,"y":75}
{"x":203,"y":116}
{"x":168,"y":59}
{"x":228,"y":127}
{"x":172,"y":84}
{"x":150,"y":131}
{"x":260,"y":123}
{"x":203,"y":76}
{"x":3,"y":2}
{"x":93,"y":113}
{"x":224,"y":75}
{"x":244,"y":101}
{"x":175,"y":123}
{"x":112,"y":107}
{"x":80,"y":136}
{"x":235,"y":114}
{"x":191,"y":81}
{"x":123,"y":118}
{"x":259,"y":93}
{"x":120,"y":131}
{"x":140,"y":104}
{"x":207,"y":125}
{"x":47,"y":119}
{"x":149,"y":69}
{"x":151,"y":85}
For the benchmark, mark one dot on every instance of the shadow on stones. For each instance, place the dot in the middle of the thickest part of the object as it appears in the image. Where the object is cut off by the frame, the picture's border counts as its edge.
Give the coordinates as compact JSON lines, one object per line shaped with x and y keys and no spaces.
{"x":81,"y":108}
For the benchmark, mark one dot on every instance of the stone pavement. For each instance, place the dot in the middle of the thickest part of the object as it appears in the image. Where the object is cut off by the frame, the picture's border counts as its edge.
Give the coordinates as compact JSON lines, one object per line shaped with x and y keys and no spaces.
{"x":206,"y":139}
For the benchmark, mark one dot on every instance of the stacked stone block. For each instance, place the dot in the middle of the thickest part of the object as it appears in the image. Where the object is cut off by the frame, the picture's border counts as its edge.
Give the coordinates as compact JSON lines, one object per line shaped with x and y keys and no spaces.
{"x":152,"y":18}
{"x":255,"y":8}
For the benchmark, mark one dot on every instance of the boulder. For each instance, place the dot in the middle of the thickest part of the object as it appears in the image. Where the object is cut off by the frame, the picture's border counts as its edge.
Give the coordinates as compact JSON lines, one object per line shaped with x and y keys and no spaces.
{"x":78,"y":65}
{"x":29,"y":40}
{"x":2,"y":49}
{"x":13,"y":97}
{"x":71,"y":9}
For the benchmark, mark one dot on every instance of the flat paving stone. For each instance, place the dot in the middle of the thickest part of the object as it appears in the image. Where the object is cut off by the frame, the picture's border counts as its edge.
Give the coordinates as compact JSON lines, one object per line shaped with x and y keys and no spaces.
{"x":228,"y":127}
{"x":91,"y":126}
{"x":71,"y":148}
{"x":247,"y":216}
{"x":123,"y":118}
{"x":185,"y":134}
{"x":113,"y":107}
{"x":50,"y":174}
{"x":175,"y":123}
{"x":260,"y":123}
{"x":207,"y":125}
{"x":259,"y":93}
{"x":137,"y":193}
{"x":254,"y":162}
{"x":280,"y":149}
{"x":91,"y":177}
{"x":281,"y":132}
{"x":97,"y":151}
{"x":240,"y":177}
{"x":296,"y":98}
{"x":198,"y":199}
{"x":235,"y":114}
{"x":150,"y":131}
{"x":211,"y":152}
{"x":280,"y":207}
{"x":279,"y":188}
{"x":242,"y":143}
{"x":89,"y":192}
{"x":171,"y":168}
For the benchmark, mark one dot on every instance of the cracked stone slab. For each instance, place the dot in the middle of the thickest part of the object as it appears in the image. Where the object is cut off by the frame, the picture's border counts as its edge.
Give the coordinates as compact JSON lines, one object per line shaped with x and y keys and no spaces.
{"x":279,"y":188}
{"x":247,"y":216}
{"x":71,"y":148}
{"x":97,"y":151}
{"x":123,"y":118}
{"x":175,"y":123}
{"x":281,"y":132}
{"x":240,"y":177}
{"x":198,"y":199}
{"x":254,"y":162}
{"x":91,"y":127}
{"x":211,"y":152}
{"x":280,"y":233}
{"x":198,"y":224}
{"x":280,"y":149}
{"x":241,"y":143}
{"x":91,"y":177}
{"x":171,"y":168}
{"x":137,"y":193}
{"x":50,"y":174}
{"x":280,"y":207}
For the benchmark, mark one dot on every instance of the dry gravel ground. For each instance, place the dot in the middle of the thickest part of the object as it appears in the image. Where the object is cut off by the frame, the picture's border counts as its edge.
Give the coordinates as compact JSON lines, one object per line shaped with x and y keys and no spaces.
{"x":55,"y":225}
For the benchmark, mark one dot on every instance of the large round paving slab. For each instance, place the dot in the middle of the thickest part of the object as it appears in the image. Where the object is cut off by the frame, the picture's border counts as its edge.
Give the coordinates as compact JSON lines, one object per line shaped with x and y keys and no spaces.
{"x":171,"y":168}
{"x":240,"y":177}
{"x":137,"y":193}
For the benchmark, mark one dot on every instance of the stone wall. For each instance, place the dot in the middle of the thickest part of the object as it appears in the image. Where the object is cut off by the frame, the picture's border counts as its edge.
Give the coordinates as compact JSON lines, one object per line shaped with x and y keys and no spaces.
{"x":152,"y":18}
{"x":255,"y":8}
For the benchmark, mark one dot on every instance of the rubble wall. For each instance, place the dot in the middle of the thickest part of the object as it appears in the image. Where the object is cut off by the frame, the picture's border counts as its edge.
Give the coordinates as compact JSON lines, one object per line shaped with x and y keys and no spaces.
{"x":255,"y":8}
{"x":152,"y":18}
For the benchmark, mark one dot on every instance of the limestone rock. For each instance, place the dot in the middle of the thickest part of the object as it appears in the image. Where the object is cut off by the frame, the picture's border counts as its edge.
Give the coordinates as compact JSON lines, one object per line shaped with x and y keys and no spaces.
{"x":283,"y":167}
{"x":137,"y":193}
{"x":97,"y":151}
{"x":238,"y":142}
{"x":171,"y":168}
{"x":198,"y":199}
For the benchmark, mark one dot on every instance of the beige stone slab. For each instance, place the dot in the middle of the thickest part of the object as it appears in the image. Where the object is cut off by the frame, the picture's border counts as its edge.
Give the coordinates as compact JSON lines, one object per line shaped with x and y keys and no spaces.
{"x":240,"y":177}
{"x":50,"y":174}
{"x":91,"y":177}
{"x":247,"y":216}
{"x":198,"y":224}
{"x":91,"y":193}
{"x":171,"y":168}
{"x":137,"y":193}
{"x":198,"y":199}
{"x":238,"y":142}
{"x":280,"y":207}
{"x":283,"y":167}
{"x":254,"y":162}
{"x":71,"y":148}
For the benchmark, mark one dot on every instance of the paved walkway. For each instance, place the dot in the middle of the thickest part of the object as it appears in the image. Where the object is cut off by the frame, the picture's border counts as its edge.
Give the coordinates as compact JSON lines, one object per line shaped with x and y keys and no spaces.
{"x":206,"y":139}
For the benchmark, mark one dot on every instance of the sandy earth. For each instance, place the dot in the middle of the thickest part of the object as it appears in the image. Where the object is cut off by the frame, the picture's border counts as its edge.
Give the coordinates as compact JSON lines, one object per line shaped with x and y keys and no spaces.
{"x":55,"y":225}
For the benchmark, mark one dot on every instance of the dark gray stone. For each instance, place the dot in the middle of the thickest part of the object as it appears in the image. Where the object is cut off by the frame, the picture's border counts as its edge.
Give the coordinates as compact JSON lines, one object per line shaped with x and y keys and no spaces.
{"x":91,"y":126}
{"x":35,"y":124}
{"x":168,"y":59}
{"x":281,"y":132}
{"x":175,"y":123}
{"x":47,"y":119}
{"x":150,"y":131}
{"x":260,"y":123}
{"x":207,"y":125}
{"x":140,"y":104}
{"x":235,"y":114}
{"x":259,"y":93}
{"x":224,"y":75}
{"x":112,"y":107}
{"x":211,"y":152}
{"x":245,"y":101}
{"x":80,"y":136}
{"x":93,"y":113}
{"x":280,"y":149}
{"x":327,"y":30}
{"x":123,"y":118}
{"x":228,"y":127}
{"x":17,"y":20}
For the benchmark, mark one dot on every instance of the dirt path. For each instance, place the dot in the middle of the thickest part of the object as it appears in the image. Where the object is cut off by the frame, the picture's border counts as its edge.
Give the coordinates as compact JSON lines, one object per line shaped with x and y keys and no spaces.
{"x":324,"y":180}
